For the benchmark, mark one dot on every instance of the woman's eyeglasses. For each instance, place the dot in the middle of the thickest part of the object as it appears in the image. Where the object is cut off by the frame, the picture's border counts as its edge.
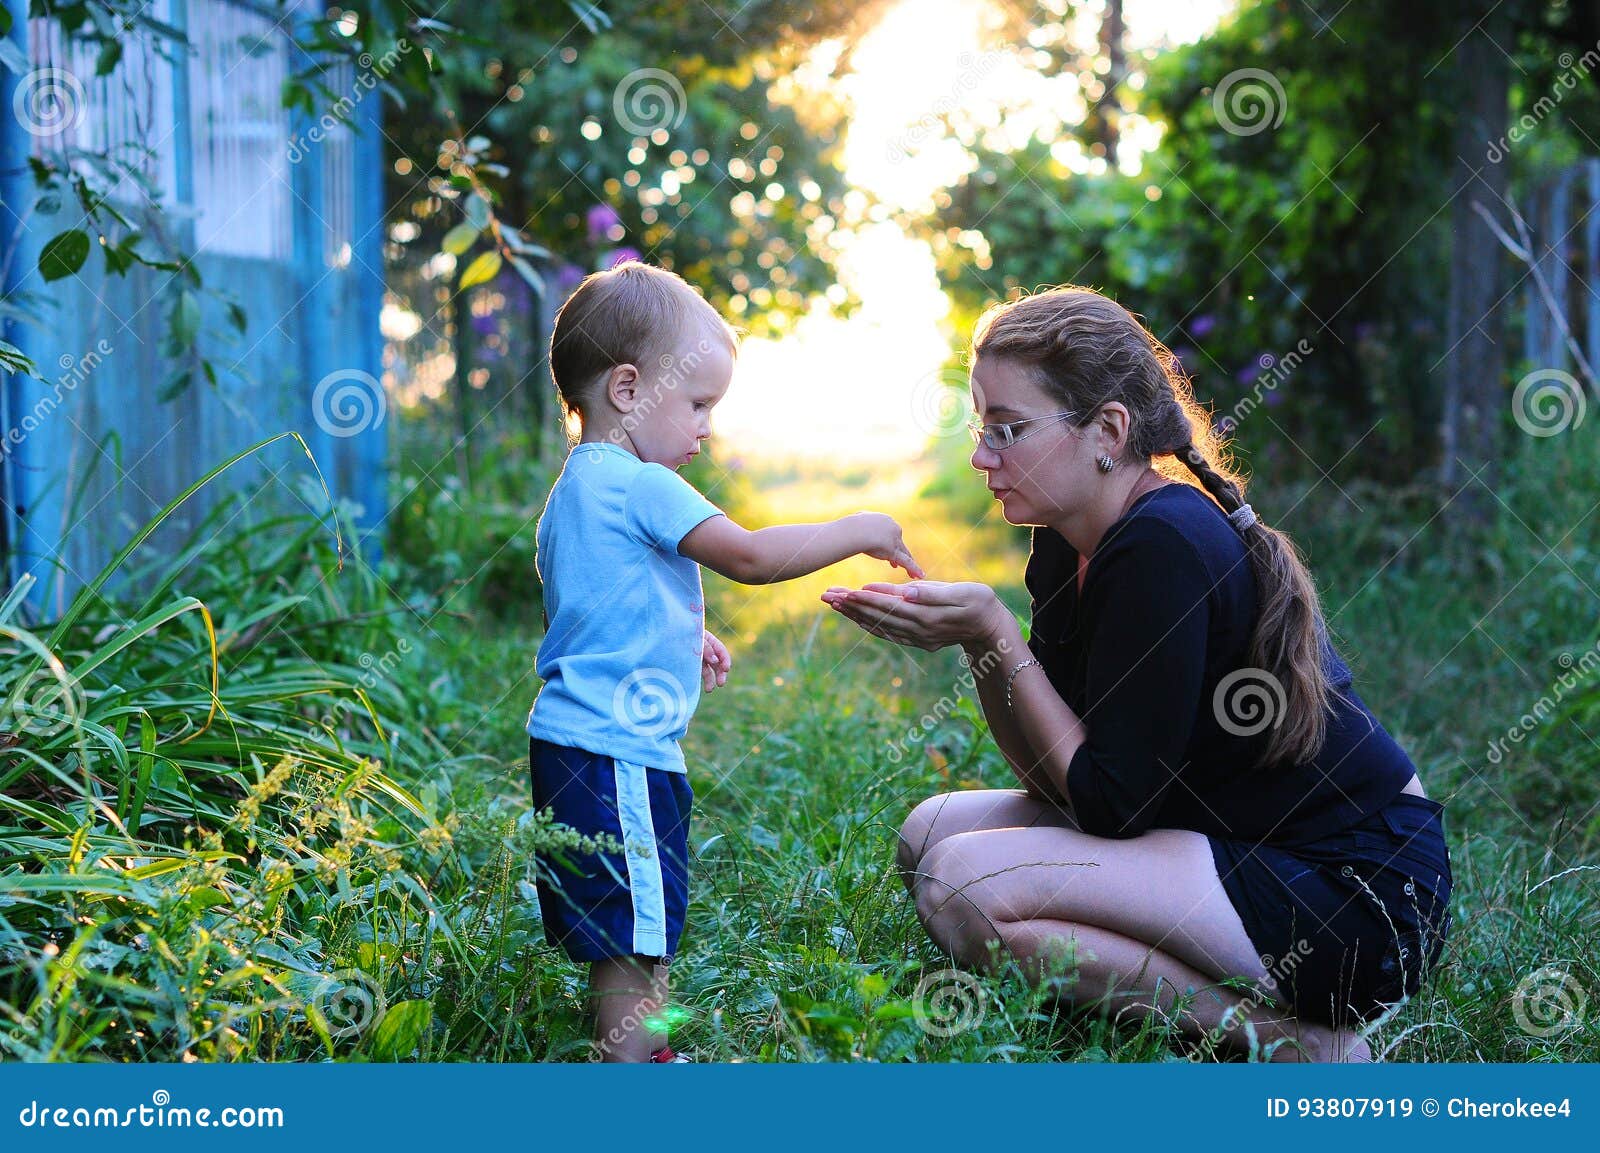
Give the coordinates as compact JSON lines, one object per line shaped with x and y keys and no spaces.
{"x":1000,"y":437}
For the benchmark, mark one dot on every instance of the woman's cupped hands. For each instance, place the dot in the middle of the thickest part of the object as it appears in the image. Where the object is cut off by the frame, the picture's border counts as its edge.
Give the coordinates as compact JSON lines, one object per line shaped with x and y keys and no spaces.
{"x":923,"y":614}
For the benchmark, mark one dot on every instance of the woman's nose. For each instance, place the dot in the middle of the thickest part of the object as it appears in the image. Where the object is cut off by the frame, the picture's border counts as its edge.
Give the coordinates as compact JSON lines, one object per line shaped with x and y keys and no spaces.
{"x":983,"y":459}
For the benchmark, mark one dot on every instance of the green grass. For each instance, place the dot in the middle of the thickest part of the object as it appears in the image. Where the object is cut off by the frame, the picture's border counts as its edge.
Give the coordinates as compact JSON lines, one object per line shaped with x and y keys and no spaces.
{"x":340,"y":862}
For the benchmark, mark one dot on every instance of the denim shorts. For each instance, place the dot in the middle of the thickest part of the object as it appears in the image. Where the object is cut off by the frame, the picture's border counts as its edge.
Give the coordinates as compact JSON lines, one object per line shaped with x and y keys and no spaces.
{"x":610,"y":904}
{"x":1352,"y":923}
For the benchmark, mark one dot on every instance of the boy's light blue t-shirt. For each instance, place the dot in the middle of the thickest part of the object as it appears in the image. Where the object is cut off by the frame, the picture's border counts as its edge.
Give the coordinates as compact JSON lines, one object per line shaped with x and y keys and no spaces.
{"x":625,"y":612}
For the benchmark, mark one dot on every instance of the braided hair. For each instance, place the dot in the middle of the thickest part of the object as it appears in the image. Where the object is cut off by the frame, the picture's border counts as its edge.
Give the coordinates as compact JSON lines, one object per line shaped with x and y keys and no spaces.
{"x":1086,"y":350}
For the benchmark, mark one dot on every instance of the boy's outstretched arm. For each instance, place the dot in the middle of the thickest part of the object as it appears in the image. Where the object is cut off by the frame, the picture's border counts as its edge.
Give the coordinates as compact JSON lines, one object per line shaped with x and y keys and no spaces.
{"x":785,"y":551}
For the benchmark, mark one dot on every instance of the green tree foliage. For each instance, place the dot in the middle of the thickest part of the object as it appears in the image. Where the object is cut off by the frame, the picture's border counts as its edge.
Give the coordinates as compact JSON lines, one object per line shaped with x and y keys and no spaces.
{"x":1321,"y":216}
{"x":655,"y":129}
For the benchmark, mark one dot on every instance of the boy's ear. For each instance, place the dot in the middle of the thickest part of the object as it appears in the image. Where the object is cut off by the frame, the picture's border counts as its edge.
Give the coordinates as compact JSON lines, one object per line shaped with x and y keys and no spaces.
{"x":622,"y":387}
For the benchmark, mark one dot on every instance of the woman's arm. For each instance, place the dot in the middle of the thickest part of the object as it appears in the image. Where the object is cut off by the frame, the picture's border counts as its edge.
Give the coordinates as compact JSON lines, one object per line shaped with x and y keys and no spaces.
{"x":1149,"y":609}
{"x":1040,"y":733}
{"x":990,"y":668}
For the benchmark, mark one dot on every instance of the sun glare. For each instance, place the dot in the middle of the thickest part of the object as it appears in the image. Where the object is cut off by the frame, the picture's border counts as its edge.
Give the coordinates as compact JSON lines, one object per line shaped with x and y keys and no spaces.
{"x":922,"y":88}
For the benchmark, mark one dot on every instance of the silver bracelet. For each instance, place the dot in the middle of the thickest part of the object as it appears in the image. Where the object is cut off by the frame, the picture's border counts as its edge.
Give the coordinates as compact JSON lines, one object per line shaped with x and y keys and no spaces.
{"x":1013,"y":676}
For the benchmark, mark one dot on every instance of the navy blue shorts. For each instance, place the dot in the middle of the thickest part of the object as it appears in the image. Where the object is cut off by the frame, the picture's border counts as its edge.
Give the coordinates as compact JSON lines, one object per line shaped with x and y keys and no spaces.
{"x":1353,"y":922}
{"x":611,"y":904}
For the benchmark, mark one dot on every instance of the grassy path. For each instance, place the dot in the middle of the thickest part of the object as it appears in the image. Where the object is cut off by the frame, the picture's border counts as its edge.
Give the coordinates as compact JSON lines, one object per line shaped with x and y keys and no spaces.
{"x":801,"y":943}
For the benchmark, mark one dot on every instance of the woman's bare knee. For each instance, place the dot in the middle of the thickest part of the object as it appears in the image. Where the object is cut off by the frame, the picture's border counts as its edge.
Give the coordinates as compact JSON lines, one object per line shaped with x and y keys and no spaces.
{"x":917,"y":836}
{"x":916,"y":832}
{"x":945,"y":815}
{"x":954,"y":921}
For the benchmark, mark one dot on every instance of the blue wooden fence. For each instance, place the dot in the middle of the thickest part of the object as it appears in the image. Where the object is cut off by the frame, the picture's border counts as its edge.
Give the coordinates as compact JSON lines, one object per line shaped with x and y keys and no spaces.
{"x":1563,"y":220}
{"x":283,"y":211}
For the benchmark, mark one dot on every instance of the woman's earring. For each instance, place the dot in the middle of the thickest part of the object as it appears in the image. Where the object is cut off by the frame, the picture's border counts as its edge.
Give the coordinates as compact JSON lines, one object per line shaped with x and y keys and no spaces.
{"x":1106,"y":463}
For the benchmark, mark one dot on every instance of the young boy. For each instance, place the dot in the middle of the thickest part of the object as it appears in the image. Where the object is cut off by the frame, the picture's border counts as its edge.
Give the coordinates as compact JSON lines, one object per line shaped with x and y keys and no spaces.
{"x":640,"y":360}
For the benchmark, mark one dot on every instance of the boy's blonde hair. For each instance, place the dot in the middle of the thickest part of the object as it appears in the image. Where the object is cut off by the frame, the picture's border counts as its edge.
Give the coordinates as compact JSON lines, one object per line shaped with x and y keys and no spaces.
{"x":634,"y":314}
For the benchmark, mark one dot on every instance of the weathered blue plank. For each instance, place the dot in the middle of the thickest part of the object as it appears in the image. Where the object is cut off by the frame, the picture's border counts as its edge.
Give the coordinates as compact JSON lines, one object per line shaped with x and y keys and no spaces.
{"x":109,"y":452}
{"x":371,"y":488}
{"x":1591,"y":262}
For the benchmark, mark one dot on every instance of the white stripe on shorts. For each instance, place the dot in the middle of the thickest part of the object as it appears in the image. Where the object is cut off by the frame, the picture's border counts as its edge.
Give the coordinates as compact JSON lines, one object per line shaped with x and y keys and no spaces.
{"x":644,"y":860}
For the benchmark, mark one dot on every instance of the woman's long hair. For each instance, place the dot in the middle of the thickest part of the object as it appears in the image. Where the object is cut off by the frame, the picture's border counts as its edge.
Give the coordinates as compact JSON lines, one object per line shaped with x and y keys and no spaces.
{"x":1086,"y":350}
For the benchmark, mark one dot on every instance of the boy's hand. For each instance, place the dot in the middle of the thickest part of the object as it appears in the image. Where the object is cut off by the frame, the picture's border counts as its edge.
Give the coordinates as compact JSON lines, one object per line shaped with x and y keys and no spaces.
{"x":715,"y":663}
{"x":885,"y":542}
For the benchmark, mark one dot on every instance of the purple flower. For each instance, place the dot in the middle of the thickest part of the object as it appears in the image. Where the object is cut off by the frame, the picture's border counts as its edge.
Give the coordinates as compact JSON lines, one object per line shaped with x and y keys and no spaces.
{"x":1183,"y":352}
{"x":619,"y":256}
{"x":568,"y":277}
{"x":1248,"y":373}
{"x":1200,"y":326}
{"x":600,"y":220}
{"x":1273,"y":398}
{"x":1365,"y":330}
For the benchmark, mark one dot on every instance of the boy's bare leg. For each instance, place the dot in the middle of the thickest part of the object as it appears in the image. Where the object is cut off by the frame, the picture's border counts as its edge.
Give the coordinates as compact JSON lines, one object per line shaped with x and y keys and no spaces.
{"x":629,"y":995}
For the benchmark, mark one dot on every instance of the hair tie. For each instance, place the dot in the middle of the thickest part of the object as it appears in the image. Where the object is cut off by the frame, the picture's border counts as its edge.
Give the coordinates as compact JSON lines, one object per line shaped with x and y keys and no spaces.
{"x":1242,"y":517}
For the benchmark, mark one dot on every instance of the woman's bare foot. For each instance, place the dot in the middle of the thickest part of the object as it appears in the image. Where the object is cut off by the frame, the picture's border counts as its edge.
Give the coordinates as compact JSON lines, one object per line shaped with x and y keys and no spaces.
{"x":1322,"y":1044}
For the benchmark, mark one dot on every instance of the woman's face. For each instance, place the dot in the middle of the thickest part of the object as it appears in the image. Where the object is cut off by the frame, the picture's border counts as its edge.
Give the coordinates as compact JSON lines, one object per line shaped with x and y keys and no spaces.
{"x":1040,"y":479}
